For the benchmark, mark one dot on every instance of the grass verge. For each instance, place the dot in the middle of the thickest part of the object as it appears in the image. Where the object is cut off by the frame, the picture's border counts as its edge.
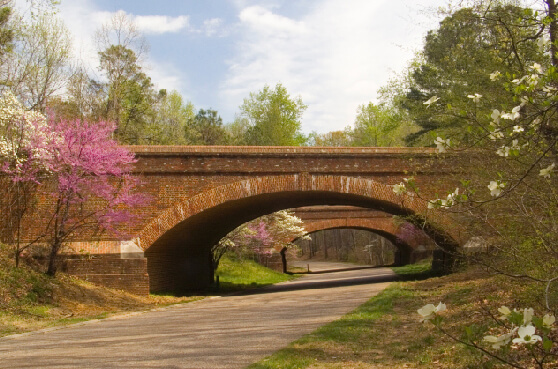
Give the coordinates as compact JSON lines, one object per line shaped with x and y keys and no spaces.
{"x":239,"y":274}
{"x":30,"y":300}
{"x":417,"y":272}
{"x":386,"y":331}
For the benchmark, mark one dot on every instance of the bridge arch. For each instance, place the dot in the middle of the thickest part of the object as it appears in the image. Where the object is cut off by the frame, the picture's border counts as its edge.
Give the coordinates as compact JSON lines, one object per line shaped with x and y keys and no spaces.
{"x":384,"y":227}
{"x":178,"y":251}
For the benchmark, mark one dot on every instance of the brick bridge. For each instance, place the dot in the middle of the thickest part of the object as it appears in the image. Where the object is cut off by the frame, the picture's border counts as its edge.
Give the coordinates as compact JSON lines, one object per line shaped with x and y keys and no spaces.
{"x":202,"y":193}
{"x":317,"y":218}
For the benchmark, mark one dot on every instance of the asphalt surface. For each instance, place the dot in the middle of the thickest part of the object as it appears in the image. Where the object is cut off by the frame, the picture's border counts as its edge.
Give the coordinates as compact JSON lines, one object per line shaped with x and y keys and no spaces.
{"x":218,"y":332}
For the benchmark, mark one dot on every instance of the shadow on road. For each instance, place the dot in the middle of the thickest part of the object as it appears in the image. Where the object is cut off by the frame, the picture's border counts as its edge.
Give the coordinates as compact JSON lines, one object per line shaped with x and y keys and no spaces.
{"x":325,"y":271}
{"x":317,"y":284}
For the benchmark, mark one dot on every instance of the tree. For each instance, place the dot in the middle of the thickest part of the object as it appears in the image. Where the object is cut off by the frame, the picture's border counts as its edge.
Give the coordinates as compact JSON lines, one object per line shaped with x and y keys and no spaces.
{"x":25,"y":157}
{"x":457,"y":60}
{"x":75,"y":164}
{"x":508,"y":195}
{"x":122,"y":31}
{"x":130,"y":95}
{"x":37,"y":68}
{"x":237,"y":131}
{"x":206,"y":128}
{"x":85,"y":97}
{"x":378,"y":125}
{"x":6,"y":33}
{"x":331,"y":139}
{"x":91,"y":186}
{"x":173,"y":115}
{"x":274,"y":117}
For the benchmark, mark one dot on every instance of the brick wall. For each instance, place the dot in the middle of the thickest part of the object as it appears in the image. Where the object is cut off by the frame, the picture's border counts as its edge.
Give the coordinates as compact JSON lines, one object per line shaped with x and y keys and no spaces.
{"x":125,"y":274}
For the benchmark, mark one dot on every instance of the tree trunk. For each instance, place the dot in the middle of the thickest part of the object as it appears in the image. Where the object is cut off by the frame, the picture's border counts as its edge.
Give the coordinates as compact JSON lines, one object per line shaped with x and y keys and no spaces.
{"x":283,"y":253}
{"x":553,"y":31}
{"x":53,"y":258}
{"x":324,"y":241}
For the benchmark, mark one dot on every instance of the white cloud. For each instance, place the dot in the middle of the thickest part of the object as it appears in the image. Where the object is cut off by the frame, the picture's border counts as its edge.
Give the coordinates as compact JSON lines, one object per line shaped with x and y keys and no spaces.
{"x":213,"y":27}
{"x":263,"y":21}
{"x":336,"y":56}
{"x":159,"y":24}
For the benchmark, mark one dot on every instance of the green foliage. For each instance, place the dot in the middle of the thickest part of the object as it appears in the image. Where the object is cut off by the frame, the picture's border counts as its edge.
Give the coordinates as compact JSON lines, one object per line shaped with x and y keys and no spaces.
{"x":173,"y":116}
{"x":330,"y":139}
{"x":457,"y":60}
{"x":378,"y":125}
{"x":419,"y":271}
{"x":130,"y":96}
{"x":6,"y":34}
{"x":206,"y":128}
{"x":273,"y":117}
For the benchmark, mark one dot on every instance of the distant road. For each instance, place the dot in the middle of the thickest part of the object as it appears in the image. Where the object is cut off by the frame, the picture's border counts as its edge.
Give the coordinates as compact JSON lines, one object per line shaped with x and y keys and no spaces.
{"x":218,"y":332}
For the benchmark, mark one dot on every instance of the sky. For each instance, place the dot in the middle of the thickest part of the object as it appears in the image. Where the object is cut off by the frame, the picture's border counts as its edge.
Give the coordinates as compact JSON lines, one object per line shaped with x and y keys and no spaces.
{"x":334,"y":54}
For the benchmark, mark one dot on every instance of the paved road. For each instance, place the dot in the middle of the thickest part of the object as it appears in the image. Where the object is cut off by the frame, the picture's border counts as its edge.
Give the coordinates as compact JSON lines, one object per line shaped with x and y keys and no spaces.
{"x":218,"y":332}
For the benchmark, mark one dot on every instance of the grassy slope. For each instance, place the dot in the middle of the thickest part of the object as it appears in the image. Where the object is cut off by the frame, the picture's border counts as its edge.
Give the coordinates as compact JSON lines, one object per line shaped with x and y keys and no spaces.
{"x":386,"y":331}
{"x":31,"y":300}
{"x":235,"y":274}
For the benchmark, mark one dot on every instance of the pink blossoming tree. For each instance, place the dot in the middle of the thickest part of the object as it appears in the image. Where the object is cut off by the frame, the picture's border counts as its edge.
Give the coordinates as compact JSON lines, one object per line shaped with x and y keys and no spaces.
{"x":92,"y":186}
{"x":73,"y":165}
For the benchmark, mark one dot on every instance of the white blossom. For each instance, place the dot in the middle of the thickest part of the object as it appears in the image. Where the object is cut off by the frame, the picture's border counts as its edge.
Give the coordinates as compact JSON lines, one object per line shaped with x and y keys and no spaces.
{"x":545,"y":173}
{"x":550,"y":90}
{"x":494,"y":75}
{"x":495,"y":188}
{"x":517,"y":129}
{"x":503,"y":151}
{"x":527,"y":335}
{"x":431,"y":101}
{"x":505,"y":311}
{"x":476,"y":98}
{"x":534,"y":79}
{"x":429,"y":311}
{"x":548,"y":320}
{"x":500,"y":341}
{"x":513,"y":115}
{"x":399,"y":189}
{"x":495,"y":116}
{"x":441,"y":144}
{"x":537,"y":68}
{"x":496,"y":134}
{"x":517,"y":81}
{"x":528,"y":315}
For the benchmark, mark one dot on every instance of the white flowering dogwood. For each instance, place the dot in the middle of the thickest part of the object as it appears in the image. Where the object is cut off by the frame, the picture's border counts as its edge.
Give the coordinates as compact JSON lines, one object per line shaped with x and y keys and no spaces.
{"x":25,"y":140}
{"x":431,"y":101}
{"x":522,"y":329}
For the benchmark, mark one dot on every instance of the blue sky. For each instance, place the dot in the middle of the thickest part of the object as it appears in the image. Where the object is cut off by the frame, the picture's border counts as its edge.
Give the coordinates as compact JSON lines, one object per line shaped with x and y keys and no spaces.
{"x":335,"y":54}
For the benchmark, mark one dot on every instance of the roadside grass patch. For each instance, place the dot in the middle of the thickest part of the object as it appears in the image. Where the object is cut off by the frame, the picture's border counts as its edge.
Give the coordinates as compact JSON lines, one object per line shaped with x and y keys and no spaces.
{"x":386,"y":331}
{"x":30,"y":300}
{"x":417,"y":272}
{"x":237,"y":274}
